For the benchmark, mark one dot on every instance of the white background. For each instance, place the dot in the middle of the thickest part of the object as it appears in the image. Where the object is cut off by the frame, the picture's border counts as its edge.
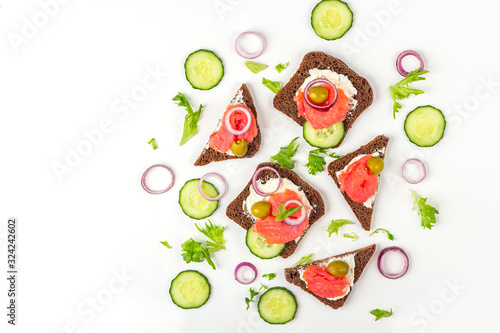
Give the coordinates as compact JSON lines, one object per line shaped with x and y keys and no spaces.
{"x":76,"y":233}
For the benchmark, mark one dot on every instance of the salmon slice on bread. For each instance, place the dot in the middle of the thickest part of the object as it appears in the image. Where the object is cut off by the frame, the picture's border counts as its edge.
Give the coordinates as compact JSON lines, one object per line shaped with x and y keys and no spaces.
{"x":209,"y":154}
{"x":237,"y":211}
{"x":284,"y":100}
{"x":361,"y":258}
{"x":376,"y":146}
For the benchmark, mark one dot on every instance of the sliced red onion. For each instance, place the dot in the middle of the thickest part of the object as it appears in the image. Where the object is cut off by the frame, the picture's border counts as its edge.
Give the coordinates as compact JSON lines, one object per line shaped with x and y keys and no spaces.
{"x":320,"y":107}
{"x":150,"y":191}
{"x":407,"y":172}
{"x":399,"y":61}
{"x":245,"y":273}
{"x":222,"y":181}
{"x":383,"y":270}
{"x":303,"y":213}
{"x":255,"y":185}
{"x":227,"y":122}
{"x":240,"y":47}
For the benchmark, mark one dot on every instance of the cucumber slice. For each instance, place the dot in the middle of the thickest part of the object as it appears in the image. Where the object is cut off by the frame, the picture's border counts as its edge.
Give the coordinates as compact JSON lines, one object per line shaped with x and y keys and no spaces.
{"x":327,"y":137}
{"x":203,"y":69}
{"x":425,"y":126}
{"x":257,"y":244}
{"x":193,"y":204}
{"x":189,"y":289}
{"x":277,"y":306}
{"x":331,"y":19}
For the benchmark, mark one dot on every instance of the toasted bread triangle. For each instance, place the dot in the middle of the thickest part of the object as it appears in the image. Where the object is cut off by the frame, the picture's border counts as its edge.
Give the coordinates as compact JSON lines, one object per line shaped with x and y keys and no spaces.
{"x":283,"y":101}
{"x":236,"y":212}
{"x":361,"y":258}
{"x":363,"y":213}
{"x":209,"y":155}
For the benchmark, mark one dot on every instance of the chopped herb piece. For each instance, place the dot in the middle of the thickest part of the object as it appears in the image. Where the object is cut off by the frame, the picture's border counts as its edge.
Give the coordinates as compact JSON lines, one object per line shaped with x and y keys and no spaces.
{"x":283,"y":212}
{"x":152,"y":142}
{"x":270,"y":276}
{"x":193,"y":251}
{"x":252,"y":296}
{"x":379,"y":314}
{"x":166,"y":244}
{"x":315,"y":162}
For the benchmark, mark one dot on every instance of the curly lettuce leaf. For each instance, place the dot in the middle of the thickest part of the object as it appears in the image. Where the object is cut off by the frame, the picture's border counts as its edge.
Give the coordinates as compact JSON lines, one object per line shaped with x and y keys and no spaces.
{"x":285,"y":155}
{"x":191,"y":119}
{"x":194,"y":251}
{"x":215,"y":233}
{"x":316,"y":163}
{"x":304,"y":260}
{"x":427,"y":212}
{"x":335,"y":225}
{"x":274,"y":86}
{"x":281,"y":67}
{"x":255,"y":67}
{"x":401,"y":90}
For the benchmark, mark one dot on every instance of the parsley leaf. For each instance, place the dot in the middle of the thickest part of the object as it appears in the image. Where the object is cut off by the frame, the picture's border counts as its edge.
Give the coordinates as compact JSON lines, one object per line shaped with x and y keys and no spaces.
{"x":427,"y":212}
{"x":252,"y":296}
{"x":152,"y":142}
{"x":352,"y":236}
{"x":274,"y":86}
{"x":255,"y":67}
{"x":304,"y":260}
{"x":284,"y":157}
{"x":281,"y":67}
{"x":283,"y":212}
{"x":191,"y":119}
{"x":379,"y":314}
{"x":166,"y":244}
{"x":389,"y":235}
{"x":270,"y":276}
{"x":193,"y":251}
{"x":335,"y":226}
{"x":401,"y":90}
{"x":315,"y":162}
{"x":216,"y":235}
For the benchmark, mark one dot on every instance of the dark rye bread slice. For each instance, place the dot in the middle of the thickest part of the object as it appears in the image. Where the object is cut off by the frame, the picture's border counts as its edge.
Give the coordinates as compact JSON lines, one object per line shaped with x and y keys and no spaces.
{"x":361,"y":258}
{"x":283,"y":101}
{"x":236,"y":212}
{"x":363,"y":213}
{"x":209,"y":155}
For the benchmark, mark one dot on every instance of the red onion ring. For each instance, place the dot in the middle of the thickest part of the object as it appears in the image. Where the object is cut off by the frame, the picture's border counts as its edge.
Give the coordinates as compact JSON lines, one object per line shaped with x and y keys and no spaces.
{"x":303,"y":213}
{"x":227,"y":122}
{"x":406,"y":262}
{"x":399,"y":61}
{"x":256,"y":187}
{"x":221,"y":179}
{"x":420,"y":168}
{"x":241,"y":50}
{"x":150,"y":191}
{"x":241,"y":271}
{"x":316,"y":106}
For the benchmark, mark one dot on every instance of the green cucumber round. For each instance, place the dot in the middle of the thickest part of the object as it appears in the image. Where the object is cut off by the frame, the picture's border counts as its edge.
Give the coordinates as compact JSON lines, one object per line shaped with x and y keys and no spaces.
{"x":425,"y":126}
{"x":257,"y":244}
{"x":193,"y":204}
{"x":203,"y":69}
{"x":327,"y":137}
{"x":189,"y":289}
{"x":277,"y":306}
{"x":331,"y":19}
